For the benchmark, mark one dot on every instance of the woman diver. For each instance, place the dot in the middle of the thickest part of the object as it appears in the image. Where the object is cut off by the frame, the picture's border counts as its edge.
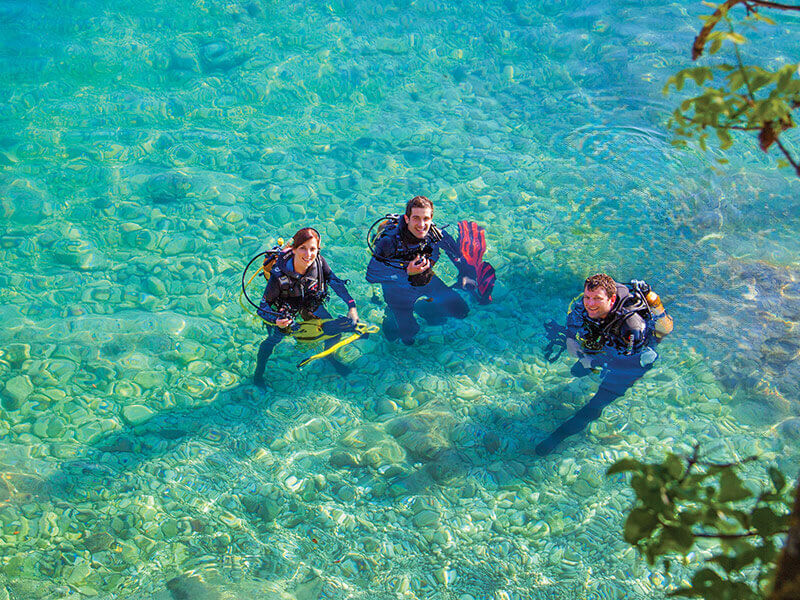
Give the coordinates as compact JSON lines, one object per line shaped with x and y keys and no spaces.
{"x":298,"y":283}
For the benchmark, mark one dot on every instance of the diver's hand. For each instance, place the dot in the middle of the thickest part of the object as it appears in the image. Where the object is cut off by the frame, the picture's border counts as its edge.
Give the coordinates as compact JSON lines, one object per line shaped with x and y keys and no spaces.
{"x":284,"y":322}
{"x":418,"y":265}
{"x":468,"y":283}
{"x":574,"y":347}
{"x":352,"y":314}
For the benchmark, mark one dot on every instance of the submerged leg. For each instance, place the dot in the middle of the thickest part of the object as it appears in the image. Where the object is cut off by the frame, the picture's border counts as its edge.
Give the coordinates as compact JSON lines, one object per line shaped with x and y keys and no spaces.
{"x":442,"y":302}
{"x":400,"y":321}
{"x":614,"y":385}
{"x":264,"y":352}
{"x":341,"y":368}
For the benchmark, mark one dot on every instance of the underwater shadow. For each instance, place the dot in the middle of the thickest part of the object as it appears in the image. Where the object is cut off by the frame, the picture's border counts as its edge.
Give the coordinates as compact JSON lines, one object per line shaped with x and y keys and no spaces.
{"x":103,"y":463}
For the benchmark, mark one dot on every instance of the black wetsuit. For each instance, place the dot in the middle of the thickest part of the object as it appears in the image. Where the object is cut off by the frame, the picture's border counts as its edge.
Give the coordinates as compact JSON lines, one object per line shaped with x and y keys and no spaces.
{"x":289,"y":294}
{"x":396,"y":247}
{"x":622,"y":345}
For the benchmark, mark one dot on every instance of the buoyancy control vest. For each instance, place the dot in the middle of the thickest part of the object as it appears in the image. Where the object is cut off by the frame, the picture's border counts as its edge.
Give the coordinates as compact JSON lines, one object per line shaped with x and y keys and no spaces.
{"x":306,"y":292}
{"x":407,"y":246}
{"x":630,"y":313}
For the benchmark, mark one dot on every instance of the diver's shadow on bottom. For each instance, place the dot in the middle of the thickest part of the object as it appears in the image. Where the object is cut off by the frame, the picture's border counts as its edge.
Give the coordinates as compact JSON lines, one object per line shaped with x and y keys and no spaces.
{"x":104,"y":461}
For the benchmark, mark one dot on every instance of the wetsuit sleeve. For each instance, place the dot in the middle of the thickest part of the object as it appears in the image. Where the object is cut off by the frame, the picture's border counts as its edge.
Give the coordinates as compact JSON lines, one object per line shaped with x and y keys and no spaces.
{"x":634,"y":328}
{"x":450,"y":247}
{"x":380,"y":272}
{"x":336,"y":284}
{"x":267,"y":307}
{"x":574,"y":319}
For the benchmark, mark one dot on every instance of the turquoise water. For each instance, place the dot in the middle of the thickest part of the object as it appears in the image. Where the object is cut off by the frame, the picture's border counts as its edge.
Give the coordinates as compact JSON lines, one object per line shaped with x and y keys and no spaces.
{"x":149,"y":149}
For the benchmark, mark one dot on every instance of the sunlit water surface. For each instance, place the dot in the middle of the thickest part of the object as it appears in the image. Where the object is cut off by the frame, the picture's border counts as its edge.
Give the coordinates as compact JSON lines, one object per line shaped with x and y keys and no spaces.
{"x":148,"y":149}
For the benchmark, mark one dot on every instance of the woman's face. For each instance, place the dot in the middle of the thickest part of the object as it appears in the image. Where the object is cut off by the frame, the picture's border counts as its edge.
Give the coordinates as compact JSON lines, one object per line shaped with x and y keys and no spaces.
{"x":307,"y":252}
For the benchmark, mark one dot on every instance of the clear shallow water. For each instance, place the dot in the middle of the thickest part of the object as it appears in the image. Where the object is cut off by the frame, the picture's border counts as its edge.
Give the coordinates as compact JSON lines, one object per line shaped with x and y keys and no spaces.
{"x":148,"y":150}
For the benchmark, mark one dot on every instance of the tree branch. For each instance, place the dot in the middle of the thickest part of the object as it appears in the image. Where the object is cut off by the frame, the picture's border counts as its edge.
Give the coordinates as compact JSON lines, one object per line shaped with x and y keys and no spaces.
{"x":690,"y":462}
{"x":787,"y":575}
{"x":730,"y":536}
{"x":744,"y":461}
{"x":776,"y":5}
{"x":793,"y":162}
{"x":700,"y":40}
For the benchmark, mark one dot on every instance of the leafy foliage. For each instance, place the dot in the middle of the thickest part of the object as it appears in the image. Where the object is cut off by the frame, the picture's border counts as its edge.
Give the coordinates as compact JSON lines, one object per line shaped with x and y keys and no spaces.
{"x":682,"y":500}
{"x":736,"y":96}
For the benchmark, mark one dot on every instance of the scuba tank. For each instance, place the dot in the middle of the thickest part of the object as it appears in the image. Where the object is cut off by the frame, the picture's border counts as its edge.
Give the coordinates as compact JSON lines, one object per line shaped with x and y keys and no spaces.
{"x":270,"y":257}
{"x":663,"y":322}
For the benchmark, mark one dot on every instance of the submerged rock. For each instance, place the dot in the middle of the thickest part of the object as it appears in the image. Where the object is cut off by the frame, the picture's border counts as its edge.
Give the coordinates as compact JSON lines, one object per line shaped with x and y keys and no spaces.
{"x":136,"y":414}
{"x":191,"y":587}
{"x":220,"y":56}
{"x":168,"y":188}
{"x":790,"y":429}
{"x":17,"y":389}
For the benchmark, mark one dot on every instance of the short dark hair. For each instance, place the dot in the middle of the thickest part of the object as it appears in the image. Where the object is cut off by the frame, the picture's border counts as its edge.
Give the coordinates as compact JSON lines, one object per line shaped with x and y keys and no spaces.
{"x":303,"y":235}
{"x":602,"y":281}
{"x":418,"y":202}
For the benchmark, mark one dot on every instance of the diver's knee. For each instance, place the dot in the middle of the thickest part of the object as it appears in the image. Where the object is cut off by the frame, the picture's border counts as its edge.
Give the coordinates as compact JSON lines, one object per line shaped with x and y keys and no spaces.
{"x":460,"y":310}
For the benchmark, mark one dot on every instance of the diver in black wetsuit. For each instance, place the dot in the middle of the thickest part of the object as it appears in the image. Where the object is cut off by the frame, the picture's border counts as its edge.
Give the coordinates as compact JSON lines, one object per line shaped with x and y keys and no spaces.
{"x":615,"y":328}
{"x":402,"y":262}
{"x":298,"y":285}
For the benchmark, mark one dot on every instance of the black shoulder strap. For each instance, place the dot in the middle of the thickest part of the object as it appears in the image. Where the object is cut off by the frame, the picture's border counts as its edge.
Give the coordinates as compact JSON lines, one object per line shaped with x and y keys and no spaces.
{"x":321,"y":283}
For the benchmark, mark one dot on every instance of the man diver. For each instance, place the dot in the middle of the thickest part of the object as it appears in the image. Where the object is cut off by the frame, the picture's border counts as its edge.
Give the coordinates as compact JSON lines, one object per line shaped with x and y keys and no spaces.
{"x":403,"y":258}
{"x":614,"y":328}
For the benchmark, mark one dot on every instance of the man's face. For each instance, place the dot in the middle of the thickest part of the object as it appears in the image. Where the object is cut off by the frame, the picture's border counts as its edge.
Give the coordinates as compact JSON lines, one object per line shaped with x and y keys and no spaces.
{"x":597,"y":303}
{"x":419,"y":223}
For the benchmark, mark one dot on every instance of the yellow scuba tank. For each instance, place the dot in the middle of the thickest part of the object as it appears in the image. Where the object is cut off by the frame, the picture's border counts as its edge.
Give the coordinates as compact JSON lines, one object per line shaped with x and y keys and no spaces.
{"x":663,"y":320}
{"x":270,"y":259}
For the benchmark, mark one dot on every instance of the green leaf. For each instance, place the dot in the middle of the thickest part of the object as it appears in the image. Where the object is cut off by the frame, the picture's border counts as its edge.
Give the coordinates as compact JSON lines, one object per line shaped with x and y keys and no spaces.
{"x":736,"y":79}
{"x":731,"y":488}
{"x":760,"y":79}
{"x":715,"y":46}
{"x":676,"y":539}
{"x":766,"y":522}
{"x":705,"y":579}
{"x":639,"y":525}
{"x":784,"y":78}
{"x":688,"y":518}
{"x":700,"y":74}
{"x":736,"y":38}
{"x":725,"y":140}
{"x":625,"y":464}
{"x":674,"y":465}
{"x":759,"y":17}
{"x":746,"y":555}
{"x":679,"y":78}
{"x":778,"y":480}
{"x":708,"y":584}
{"x":740,"y":516}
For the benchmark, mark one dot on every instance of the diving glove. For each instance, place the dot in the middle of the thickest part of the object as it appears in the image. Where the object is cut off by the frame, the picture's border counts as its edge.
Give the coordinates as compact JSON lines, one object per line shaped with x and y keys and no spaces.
{"x":339,"y":325}
{"x":558,"y":341}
